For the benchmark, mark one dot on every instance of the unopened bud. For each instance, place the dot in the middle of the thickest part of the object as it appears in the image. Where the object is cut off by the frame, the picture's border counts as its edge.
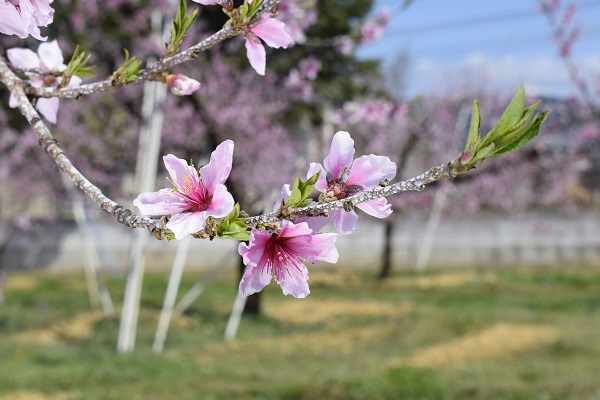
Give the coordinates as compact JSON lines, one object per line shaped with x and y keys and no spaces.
{"x":182,"y":85}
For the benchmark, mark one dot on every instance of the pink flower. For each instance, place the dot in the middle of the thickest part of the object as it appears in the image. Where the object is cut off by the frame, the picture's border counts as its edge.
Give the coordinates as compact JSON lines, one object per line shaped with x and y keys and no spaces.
{"x":342,"y":177}
{"x":279,"y":255}
{"x":273,"y":33}
{"x":195,"y":197}
{"x":24,"y":17}
{"x":50,"y":60}
{"x":182,"y":85}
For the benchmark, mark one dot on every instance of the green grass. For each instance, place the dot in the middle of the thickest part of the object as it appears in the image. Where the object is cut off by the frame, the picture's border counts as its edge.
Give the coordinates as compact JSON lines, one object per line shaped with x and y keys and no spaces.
{"x":353,"y":338}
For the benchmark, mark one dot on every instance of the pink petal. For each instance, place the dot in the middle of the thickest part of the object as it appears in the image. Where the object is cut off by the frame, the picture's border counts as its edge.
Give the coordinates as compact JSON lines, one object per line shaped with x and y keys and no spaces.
{"x":48,"y":108}
{"x":51,"y":56}
{"x":11,"y":22}
{"x":185,"y":224}
{"x":218,"y":168}
{"x":283,"y":195}
{"x":292,"y":230}
{"x":368,"y":171}
{"x":163,"y":202}
{"x":180,"y":171}
{"x":379,"y":208}
{"x":253,"y":252}
{"x":12,"y":101}
{"x":322,"y":182}
{"x":315,"y":247}
{"x":44,"y":14}
{"x":75,"y":81}
{"x":314,"y":223}
{"x":222,"y":202}
{"x":272,"y":32}
{"x":340,"y":154}
{"x":296,"y":282}
{"x":257,"y":56}
{"x":23,"y":58}
{"x":344,"y":222}
{"x":254,"y":280}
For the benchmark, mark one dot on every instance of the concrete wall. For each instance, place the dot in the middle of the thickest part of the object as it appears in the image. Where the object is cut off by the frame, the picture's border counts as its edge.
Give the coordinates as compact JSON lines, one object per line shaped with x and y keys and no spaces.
{"x":477,"y":242}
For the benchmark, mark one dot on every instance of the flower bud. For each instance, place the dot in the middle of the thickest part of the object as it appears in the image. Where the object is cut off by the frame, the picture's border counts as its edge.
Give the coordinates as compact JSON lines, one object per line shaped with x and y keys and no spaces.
{"x":182,"y":85}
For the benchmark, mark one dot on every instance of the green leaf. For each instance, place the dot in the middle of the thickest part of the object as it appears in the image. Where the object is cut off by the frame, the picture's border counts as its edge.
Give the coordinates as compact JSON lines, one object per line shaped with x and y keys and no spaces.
{"x":180,"y":26}
{"x":475,"y":125}
{"x":300,"y":191}
{"x":78,"y":65}
{"x":524,"y":134}
{"x":232,"y":226}
{"x":295,"y":195}
{"x":510,"y":117}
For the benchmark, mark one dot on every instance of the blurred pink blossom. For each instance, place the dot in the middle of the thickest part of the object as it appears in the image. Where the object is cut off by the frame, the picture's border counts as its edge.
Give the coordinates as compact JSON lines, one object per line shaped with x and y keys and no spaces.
{"x":50,"y":60}
{"x":24,"y":17}
{"x":196,"y":196}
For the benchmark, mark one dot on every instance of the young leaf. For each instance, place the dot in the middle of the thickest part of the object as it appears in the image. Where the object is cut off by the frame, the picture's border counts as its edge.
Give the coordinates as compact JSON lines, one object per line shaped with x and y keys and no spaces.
{"x":510,"y":117}
{"x":300,"y":191}
{"x":475,"y":125}
{"x":181,"y":24}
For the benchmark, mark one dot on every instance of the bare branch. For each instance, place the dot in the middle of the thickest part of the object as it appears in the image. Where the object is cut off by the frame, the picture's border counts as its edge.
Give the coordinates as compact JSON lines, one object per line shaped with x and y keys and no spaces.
{"x":51,"y":146}
{"x":417,"y":183}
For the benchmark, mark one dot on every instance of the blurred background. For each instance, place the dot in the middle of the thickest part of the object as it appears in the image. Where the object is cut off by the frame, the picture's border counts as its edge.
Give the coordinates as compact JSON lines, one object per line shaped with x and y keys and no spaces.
{"x":482,"y":287}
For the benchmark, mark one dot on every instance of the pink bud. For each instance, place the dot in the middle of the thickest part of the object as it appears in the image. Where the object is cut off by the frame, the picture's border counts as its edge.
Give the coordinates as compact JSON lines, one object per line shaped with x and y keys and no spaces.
{"x":181,"y":85}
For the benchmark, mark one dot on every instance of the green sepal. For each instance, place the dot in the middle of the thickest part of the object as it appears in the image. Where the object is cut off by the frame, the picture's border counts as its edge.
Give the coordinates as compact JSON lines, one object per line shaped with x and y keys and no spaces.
{"x":180,"y":26}
{"x":170,"y":236}
{"x":301,"y":190}
{"x":475,"y":126}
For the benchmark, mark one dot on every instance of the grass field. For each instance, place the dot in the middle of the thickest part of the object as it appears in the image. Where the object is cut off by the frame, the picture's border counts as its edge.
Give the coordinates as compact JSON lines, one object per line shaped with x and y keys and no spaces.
{"x":462,"y":334}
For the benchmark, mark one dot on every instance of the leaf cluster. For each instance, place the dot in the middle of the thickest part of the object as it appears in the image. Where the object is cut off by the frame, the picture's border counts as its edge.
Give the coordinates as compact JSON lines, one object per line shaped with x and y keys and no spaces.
{"x":181,"y":24}
{"x":515,"y":128}
{"x":79,"y":65}
{"x":232,"y":226}
{"x":129,"y":71}
{"x":300,"y":191}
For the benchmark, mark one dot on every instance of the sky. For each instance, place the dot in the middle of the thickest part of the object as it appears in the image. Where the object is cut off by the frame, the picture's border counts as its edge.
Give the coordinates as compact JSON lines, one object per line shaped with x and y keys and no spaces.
{"x":509,"y":39}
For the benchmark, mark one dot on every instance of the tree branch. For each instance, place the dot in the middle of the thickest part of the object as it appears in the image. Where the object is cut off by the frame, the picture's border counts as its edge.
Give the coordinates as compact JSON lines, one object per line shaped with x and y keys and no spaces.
{"x":269,"y":6}
{"x":51,"y":146}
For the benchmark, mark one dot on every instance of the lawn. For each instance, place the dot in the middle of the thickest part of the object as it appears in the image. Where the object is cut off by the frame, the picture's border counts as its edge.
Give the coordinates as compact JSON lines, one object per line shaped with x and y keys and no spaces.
{"x":519,"y":333}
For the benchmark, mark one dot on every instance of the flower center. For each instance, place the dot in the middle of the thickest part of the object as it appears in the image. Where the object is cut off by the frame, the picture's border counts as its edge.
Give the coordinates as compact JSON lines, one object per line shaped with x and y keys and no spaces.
{"x":279,"y":258}
{"x":198,"y":197}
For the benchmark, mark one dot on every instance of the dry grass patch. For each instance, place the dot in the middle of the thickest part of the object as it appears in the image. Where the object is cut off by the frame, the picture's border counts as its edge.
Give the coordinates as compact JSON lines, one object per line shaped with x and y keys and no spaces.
{"x":33,"y":396}
{"x":312,"y":311}
{"x":438,"y":281}
{"x":498,"y":342}
{"x":20,"y":283}
{"x":78,"y":328}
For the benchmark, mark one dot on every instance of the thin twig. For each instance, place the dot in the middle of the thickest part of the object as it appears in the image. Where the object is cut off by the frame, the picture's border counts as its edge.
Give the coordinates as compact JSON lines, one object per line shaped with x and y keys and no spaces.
{"x":51,"y":146}
{"x":269,"y":6}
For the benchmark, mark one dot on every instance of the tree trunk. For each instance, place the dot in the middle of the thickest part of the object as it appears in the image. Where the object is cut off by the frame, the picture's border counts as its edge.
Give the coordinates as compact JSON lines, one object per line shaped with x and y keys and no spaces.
{"x":252,"y":306}
{"x":386,"y":259}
